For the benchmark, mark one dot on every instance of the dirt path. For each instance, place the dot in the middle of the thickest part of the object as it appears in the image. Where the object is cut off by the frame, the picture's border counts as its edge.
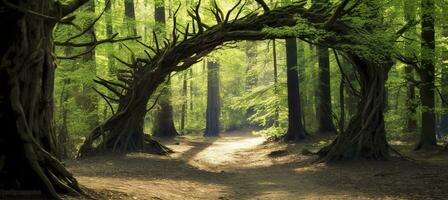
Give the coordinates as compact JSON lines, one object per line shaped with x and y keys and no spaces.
{"x":238,"y":166}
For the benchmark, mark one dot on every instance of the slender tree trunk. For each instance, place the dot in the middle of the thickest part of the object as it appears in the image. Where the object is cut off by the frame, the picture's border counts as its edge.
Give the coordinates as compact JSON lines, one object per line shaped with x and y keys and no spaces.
{"x":342,"y":104}
{"x":109,"y":32}
{"x":90,"y":105}
{"x":129,"y":12}
{"x":411,"y":104}
{"x":184,"y":101}
{"x":324,"y":111}
{"x":191,"y":89}
{"x":295,"y":130}
{"x":164,"y":126}
{"x":274,"y":54}
{"x":213,"y":100}
{"x":251,"y":61}
{"x":251,"y":78}
{"x":411,"y":100}
{"x":63,"y":142}
{"x":427,"y":73}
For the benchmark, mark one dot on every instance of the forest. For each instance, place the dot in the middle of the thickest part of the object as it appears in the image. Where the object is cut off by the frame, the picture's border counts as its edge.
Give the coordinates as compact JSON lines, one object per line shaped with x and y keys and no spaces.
{"x":234,"y":99}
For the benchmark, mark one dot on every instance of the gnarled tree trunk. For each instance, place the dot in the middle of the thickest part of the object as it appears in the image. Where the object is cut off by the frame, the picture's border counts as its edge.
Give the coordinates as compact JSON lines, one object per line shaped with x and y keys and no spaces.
{"x":365,"y":135}
{"x":123,"y":132}
{"x":27,"y":67}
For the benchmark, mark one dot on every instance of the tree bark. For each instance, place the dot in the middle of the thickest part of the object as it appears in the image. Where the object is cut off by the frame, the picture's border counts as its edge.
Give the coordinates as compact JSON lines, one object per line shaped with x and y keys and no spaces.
{"x":27,"y":142}
{"x":184,"y":102}
{"x":109,"y":32}
{"x":123,"y":132}
{"x":324,"y":111}
{"x":164,"y":124}
{"x":129,"y":12}
{"x":295,"y":130}
{"x":365,"y":135}
{"x":274,"y":55}
{"x":443,"y":124}
{"x":427,"y":76}
{"x":213,"y":100}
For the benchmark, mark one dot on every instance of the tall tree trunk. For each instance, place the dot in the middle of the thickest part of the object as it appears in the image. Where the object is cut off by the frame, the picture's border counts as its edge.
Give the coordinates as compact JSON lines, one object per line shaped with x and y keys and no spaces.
{"x":91,"y":99}
{"x":213,"y":100}
{"x":323,"y":91}
{"x":295,"y":130}
{"x":27,"y":142}
{"x":324,"y":111}
{"x":129,"y":12}
{"x":274,"y":54}
{"x":184,"y":102}
{"x":251,"y":78}
{"x":164,"y":126}
{"x":411,"y":101}
{"x":191,"y":89}
{"x":365,"y":135}
{"x":443,"y":123}
{"x":427,"y":76}
{"x":342,"y":104}
{"x":109,"y":32}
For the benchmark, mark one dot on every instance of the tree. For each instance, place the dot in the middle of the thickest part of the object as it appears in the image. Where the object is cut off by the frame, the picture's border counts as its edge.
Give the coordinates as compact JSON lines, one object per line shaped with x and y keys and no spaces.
{"x":26,"y":97}
{"x":213,"y":100}
{"x":365,"y":136}
{"x":123,"y":131}
{"x":411,"y":104}
{"x":184,"y":102}
{"x":129,"y":13}
{"x":427,"y":76}
{"x":324,"y":111}
{"x":164,"y":124}
{"x":443,"y":123}
{"x":295,"y":130}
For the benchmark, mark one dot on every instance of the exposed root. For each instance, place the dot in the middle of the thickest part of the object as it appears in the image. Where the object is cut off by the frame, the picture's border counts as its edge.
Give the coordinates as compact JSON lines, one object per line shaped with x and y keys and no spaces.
{"x":153,"y":147}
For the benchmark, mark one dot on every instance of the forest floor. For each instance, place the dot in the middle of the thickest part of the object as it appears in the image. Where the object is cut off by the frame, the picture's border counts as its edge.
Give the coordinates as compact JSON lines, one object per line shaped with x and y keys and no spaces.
{"x":238,"y":165}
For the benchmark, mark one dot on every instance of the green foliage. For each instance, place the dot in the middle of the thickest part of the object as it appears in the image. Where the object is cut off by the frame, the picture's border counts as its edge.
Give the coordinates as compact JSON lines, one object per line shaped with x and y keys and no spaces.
{"x":245,"y":102}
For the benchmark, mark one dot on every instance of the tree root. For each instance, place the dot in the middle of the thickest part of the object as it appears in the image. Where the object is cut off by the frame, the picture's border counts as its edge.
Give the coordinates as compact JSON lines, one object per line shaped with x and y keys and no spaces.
{"x":153,"y":147}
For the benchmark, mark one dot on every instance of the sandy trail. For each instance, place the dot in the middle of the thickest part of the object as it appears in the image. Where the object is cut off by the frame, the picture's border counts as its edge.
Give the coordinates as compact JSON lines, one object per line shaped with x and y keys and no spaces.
{"x":237,"y":166}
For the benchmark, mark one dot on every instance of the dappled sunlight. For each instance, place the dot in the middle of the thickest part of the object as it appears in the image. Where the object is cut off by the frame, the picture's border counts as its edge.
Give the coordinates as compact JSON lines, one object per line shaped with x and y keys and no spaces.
{"x":238,"y":166}
{"x":150,"y":189}
{"x":222,"y":150}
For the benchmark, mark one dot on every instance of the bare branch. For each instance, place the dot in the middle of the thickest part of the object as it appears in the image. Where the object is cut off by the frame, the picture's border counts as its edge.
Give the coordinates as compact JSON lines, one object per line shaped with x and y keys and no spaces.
{"x":106,"y":98}
{"x":90,"y":25}
{"x":109,"y":87}
{"x":96,"y":43}
{"x":263,"y":4}
{"x":231,"y":10}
